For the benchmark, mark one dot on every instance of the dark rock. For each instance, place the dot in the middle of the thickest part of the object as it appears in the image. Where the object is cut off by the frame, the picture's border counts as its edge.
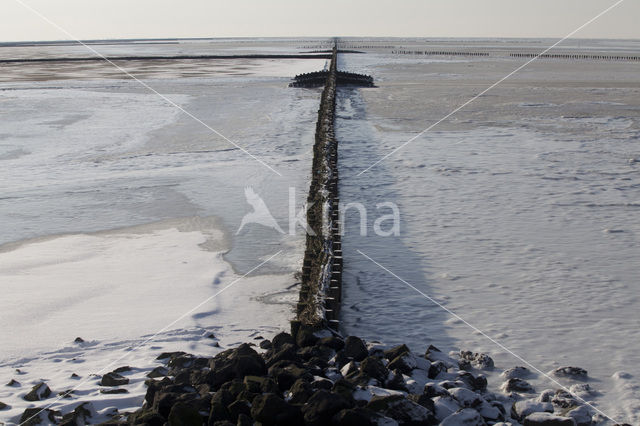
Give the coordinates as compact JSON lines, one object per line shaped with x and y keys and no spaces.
{"x":404,"y":363}
{"x":404,"y":411}
{"x":37,"y":416}
{"x":183,"y":378}
{"x":477,"y":360}
{"x":13,"y":383}
{"x":79,"y":340}
{"x":436,"y":368}
{"x":466,"y":416}
{"x":265,"y":344}
{"x":478,"y":383}
{"x":516,"y":373}
{"x":357,"y":417}
{"x":3,"y":406}
{"x":38,"y":392}
{"x":355,"y":348}
{"x":307,"y":335}
{"x":183,"y":414}
{"x":466,"y":398}
{"x":547,"y":419}
{"x":423,"y":400}
{"x":244,"y":420}
{"x":572,"y":372}
{"x":247,"y":396}
{"x":282,"y":338}
{"x":239,"y":407}
{"x":122,"y":369}
{"x":563,"y":400}
{"x":322,"y":383}
{"x":395,"y":352}
{"x":582,"y":415}
{"x":113,"y":391}
{"x":113,"y":379}
{"x":300,"y":392}
{"x":349,"y":369}
{"x":235,"y":387}
{"x":74,"y":376}
{"x":270,"y":409}
{"x":345,"y":389}
{"x":258,"y":384}
{"x":286,"y":374}
{"x":148,"y":418}
{"x":80,"y":415}
{"x":521,"y":409}
{"x":163,"y":401}
{"x":219,"y":403}
{"x":66,"y":394}
{"x":235,"y":364}
{"x":334,"y":342}
{"x":286,"y":351}
{"x":517,"y":385}
{"x":396,"y":382}
{"x":322,"y":406}
{"x":166,"y":355}
{"x":374,"y":367}
{"x":158,"y":372}
{"x":432,"y":390}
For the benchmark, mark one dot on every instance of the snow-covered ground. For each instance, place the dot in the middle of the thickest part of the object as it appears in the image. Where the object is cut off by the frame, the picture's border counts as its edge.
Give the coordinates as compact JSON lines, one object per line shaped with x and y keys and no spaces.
{"x":118,"y":218}
{"x":519,"y":213}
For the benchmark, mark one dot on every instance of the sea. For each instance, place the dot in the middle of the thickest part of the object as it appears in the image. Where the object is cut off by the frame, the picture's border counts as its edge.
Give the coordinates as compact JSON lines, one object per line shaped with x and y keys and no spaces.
{"x":501,"y":198}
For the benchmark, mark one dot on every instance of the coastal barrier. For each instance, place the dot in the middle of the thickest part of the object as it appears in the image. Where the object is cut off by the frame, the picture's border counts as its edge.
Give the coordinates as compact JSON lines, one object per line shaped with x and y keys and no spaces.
{"x":164,"y":58}
{"x":321,"y":285}
{"x":343,"y":78}
{"x":576,"y":56}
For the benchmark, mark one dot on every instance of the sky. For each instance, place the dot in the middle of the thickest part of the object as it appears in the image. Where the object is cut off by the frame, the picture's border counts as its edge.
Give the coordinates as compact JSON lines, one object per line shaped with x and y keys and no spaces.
{"x":103,"y":19}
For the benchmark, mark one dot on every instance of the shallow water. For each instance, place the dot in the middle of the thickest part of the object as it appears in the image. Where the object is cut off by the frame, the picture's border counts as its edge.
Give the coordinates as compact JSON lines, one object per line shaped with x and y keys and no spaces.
{"x":519,"y":213}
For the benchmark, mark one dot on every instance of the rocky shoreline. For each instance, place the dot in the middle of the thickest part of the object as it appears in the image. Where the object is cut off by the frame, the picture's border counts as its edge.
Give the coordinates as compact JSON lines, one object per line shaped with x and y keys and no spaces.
{"x":325,"y":379}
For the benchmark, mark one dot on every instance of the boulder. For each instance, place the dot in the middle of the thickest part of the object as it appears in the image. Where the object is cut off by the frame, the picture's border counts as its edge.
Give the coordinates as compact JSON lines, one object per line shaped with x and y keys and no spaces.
{"x":300,"y":392}
{"x":148,"y":418}
{"x":265,"y":344}
{"x":158,"y":372}
{"x":258,"y":384}
{"x":81,"y":415}
{"x":322,"y":406}
{"x":270,"y":409}
{"x":575,"y":373}
{"x":374,"y":367}
{"x":464,"y":417}
{"x":38,"y":416}
{"x":3,"y":406}
{"x":516,"y":373}
{"x":13,"y":383}
{"x":396,"y":352}
{"x":521,"y":409}
{"x":517,"y":385}
{"x":237,"y":408}
{"x":359,"y":417}
{"x":547,"y":419}
{"x":477,"y":360}
{"x":113,"y":379}
{"x":582,"y":415}
{"x":404,"y":411}
{"x":286,"y":351}
{"x":466,"y":397}
{"x":38,"y":392}
{"x":355,"y":348}
{"x":334,"y":342}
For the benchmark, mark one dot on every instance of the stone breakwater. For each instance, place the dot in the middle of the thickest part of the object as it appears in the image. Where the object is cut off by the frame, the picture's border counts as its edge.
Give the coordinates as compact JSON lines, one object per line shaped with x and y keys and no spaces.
{"x":321,"y":281}
{"x":336,"y":381}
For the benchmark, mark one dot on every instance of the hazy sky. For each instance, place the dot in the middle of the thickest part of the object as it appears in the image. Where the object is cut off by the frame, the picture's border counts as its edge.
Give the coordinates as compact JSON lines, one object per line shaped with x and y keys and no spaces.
{"x":91,"y":19}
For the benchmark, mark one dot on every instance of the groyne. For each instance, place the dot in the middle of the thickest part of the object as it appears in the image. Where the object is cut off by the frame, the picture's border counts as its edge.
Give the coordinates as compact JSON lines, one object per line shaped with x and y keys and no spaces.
{"x":321,"y":288}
